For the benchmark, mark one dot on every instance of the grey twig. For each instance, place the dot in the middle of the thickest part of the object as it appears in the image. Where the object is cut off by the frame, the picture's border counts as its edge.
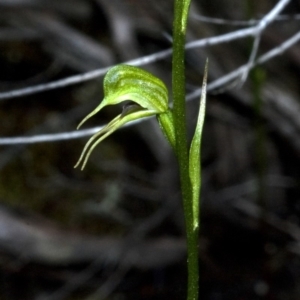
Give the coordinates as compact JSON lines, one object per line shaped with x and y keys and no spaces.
{"x":224,"y":38}
{"x":251,"y":22}
{"x":195,"y":94}
{"x":261,"y":26}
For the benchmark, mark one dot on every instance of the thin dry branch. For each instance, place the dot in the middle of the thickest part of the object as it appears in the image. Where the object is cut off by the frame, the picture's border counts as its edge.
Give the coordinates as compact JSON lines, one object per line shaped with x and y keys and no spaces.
{"x":195,"y":94}
{"x":252,"y":22}
{"x":217,"y":40}
{"x":261,"y":26}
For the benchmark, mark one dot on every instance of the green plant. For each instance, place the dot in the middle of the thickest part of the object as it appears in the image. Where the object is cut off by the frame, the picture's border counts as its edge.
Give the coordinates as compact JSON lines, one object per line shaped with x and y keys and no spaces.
{"x":148,"y":97}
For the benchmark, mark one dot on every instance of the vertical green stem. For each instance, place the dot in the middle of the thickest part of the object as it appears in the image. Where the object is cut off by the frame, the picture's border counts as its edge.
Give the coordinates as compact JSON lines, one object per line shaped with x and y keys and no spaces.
{"x":179,"y":115}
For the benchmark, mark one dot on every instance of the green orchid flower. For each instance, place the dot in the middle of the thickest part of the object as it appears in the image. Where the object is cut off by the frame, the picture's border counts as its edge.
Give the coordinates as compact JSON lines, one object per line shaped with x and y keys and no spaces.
{"x":148,"y":96}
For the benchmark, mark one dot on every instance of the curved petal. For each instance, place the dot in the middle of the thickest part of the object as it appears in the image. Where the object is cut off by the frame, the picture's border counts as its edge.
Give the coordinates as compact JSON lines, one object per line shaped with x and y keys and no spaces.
{"x":111,"y":127}
{"x":124,"y":82}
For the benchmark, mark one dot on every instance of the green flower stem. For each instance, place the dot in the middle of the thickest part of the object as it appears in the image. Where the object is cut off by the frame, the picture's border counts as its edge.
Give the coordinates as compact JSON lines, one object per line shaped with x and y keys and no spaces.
{"x":148,"y":96}
{"x":179,"y":117}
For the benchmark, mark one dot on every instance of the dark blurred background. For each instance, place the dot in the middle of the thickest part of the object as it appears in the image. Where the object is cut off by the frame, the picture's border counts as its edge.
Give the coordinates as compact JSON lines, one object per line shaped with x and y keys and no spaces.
{"x":116,"y":229}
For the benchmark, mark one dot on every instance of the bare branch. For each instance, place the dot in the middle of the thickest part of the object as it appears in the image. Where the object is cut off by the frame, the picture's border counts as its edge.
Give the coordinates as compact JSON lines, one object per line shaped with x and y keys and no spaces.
{"x":263,"y":23}
{"x":42,"y":138}
{"x":224,"y":38}
{"x":251,"y":22}
{"x":195,"y":94}
{"x":237,"y":72}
